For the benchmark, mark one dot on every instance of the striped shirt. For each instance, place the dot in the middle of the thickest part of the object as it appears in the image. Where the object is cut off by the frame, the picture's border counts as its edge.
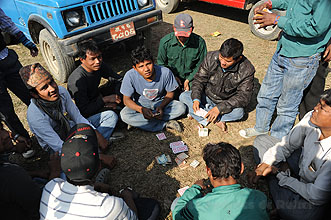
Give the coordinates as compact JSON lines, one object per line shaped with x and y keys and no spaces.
{"x":62,"y":200}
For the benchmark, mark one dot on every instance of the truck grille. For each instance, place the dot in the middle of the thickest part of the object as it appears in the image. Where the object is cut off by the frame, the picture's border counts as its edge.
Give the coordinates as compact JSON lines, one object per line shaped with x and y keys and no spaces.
{"x":109,"y":9}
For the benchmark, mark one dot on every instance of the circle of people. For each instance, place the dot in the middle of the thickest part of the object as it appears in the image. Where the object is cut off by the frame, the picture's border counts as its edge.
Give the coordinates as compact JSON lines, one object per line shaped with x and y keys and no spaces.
{"x":212,"y":87}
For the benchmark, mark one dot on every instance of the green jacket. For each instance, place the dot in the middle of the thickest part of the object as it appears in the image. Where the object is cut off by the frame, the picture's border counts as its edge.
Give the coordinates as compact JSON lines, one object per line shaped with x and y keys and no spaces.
{"x":306,"y":26}
{"x":183,"y":61}
{"x":224,"y":202}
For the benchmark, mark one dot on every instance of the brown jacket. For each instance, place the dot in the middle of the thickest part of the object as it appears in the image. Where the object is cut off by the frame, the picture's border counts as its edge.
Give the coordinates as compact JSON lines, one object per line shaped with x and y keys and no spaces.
{"x":228,"y":90}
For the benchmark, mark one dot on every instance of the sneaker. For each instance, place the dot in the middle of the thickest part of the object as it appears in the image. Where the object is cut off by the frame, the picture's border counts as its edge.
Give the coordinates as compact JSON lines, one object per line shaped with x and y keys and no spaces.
{"x":250,"y":132}
{"x":172,"y":124}
{"x":116,"y":136}
{"x":28,"y":154}
{"x":103,"y":176}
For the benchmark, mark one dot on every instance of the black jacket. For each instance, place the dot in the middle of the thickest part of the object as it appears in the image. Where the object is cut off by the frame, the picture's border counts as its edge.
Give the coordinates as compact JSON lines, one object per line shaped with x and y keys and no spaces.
{"x":228,"y":90}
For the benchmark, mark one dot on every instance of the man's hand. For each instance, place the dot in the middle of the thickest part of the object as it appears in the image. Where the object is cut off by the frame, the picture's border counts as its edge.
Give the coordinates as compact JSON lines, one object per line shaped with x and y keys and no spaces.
{"x":112,"y":99}
{"x":212,"y":114}
{"x":178,"y":81}
{"x":186,"y":85}
{"x":147,"y":113}
{"x":159,"y":113}
{"x":266,"y":4}
{"x":262,"y":169}
{"x":26,"y":141}
{"x":34,"y":52}
{"x":200,"y":183}
{"x":264,"y":18}
{"x":196,"y":106}
{"x":103,"y":143}
{"x":327,"y":54}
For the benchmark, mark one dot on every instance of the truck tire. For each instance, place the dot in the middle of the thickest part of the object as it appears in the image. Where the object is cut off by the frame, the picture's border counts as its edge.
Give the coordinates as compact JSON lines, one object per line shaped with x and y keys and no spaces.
{"x":167,"y":6}
{"x":267,"y":33}
{"x":59,"y":63}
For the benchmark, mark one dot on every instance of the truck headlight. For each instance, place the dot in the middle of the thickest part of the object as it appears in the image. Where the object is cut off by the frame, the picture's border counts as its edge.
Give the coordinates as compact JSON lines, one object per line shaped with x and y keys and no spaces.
{"x":72,"y":18}
{"x":142,"y":3}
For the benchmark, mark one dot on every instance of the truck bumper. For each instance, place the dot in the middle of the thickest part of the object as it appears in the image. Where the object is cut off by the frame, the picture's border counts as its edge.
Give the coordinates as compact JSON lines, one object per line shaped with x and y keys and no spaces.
{"x":102,"y":35}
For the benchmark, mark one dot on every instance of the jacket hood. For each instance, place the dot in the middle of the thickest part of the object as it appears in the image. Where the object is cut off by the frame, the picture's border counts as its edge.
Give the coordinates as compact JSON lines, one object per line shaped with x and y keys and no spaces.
{"x":56,"y":3}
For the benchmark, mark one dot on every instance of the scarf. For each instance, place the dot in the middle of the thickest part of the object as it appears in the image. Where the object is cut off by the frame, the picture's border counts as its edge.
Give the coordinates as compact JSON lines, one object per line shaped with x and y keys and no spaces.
{"x":54,"y":111}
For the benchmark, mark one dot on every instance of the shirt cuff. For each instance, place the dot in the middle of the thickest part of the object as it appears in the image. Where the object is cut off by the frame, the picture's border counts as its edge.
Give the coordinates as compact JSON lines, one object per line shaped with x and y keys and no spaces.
{"x":196,"y":100}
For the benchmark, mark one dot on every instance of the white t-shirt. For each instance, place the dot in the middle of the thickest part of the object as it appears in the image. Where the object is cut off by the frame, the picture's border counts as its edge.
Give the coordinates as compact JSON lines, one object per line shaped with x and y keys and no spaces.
{"x":62,"y":200}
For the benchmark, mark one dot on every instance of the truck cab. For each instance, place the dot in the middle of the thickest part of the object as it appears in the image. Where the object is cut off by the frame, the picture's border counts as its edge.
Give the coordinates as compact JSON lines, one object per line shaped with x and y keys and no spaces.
{"x":59,"y":25}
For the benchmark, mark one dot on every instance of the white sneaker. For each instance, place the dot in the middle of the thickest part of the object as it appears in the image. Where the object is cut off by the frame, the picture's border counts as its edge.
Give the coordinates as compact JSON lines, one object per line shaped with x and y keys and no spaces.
{"x":250,"y":132}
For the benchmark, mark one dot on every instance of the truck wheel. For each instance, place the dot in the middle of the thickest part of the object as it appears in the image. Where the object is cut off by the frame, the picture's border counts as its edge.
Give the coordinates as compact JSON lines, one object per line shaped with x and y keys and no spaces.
{"x":59,"y":64}
{"x":167,"y":6}
{"x":267,"y":33}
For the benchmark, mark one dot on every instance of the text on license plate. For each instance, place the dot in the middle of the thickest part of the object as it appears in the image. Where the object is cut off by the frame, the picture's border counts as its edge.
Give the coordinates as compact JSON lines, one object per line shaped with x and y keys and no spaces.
{"x":122,"y":31}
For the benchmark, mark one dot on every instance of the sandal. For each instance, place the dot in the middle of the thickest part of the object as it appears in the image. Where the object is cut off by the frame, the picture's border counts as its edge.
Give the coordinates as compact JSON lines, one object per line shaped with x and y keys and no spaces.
{"x":103,"y":176}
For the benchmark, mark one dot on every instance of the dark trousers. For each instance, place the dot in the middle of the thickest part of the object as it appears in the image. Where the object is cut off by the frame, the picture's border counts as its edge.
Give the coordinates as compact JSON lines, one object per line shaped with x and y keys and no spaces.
{"x":10,"y":79}
{"x":311,"y":95}
{"x":148,"y":209}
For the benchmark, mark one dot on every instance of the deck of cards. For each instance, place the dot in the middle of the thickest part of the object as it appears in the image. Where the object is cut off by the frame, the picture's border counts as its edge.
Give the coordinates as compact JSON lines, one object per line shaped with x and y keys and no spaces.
{"x":161,"y":136}
{"x":178,"y":147}
{"x":180,"y":161}
{"x":163,"y":160}
{"x":182,"y":190}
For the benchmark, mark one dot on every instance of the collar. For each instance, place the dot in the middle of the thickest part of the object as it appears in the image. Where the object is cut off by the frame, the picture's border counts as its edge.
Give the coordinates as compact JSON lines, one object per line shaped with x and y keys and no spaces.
{"x":174,"y":41}
{"x":234,"y":68}
{"x":227,"y":189}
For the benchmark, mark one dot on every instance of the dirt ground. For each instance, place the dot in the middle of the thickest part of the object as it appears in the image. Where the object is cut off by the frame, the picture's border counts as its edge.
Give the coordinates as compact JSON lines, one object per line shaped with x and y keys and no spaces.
{"x":136,"y":164}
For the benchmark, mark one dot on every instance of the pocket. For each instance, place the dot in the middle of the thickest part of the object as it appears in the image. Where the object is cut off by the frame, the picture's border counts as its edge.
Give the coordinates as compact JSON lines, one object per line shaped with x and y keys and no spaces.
{"x":173,"y":59}
{"x":305,"y":62}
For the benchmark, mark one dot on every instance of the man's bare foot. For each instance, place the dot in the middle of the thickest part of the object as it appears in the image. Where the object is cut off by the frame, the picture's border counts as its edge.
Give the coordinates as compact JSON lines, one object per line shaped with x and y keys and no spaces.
{"x":222,"y":125}
{"x":107,"y":161}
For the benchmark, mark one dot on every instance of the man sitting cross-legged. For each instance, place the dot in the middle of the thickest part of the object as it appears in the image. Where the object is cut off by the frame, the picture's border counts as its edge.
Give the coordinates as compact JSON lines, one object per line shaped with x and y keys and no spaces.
{"x":94,"y":103}
{"x":298,"y":166}
{"x":49,"y":110}
{"x":223,"y":86}
{"x":227,"y":200}
{"x":148,"y":92}
{"x":77,"y":198}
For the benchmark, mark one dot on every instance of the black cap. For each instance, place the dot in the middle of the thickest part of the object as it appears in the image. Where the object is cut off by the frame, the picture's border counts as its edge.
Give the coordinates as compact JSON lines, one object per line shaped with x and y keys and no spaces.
{"x":80,"y":157}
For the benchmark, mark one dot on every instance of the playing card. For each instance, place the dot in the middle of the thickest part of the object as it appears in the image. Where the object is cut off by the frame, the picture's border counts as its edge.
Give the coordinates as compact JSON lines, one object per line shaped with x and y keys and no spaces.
{"x":182,"y":156}
{"x":179,"y":149}
{"x":182,"y":190}
{"x":176,"y":144}
{"x":194,"y":163}
{"x":203,"y":132}
{"x":201,"y":112}
{"x":161,"y":136}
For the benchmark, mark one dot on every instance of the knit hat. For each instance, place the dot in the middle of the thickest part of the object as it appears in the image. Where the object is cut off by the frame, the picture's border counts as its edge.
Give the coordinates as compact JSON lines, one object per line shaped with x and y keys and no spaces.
{"x":79,"y":157}
{"x":33,"y":75}
{"x":183,"y":25}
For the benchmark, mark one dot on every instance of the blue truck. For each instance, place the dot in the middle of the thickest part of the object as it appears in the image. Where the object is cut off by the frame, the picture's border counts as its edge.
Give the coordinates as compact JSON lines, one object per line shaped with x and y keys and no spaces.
{"x":59,"y":25}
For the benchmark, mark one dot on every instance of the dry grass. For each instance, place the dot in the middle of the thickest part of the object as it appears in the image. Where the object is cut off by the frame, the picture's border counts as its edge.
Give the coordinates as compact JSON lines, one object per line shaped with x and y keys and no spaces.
{"x":137,"y":167}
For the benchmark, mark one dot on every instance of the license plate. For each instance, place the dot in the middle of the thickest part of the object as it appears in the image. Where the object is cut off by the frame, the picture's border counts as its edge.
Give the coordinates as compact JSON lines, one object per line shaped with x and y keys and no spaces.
{"x":122,"y":31}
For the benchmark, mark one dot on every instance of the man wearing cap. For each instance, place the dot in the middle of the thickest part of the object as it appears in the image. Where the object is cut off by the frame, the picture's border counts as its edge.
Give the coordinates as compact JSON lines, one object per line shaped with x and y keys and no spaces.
{"x":182,"y":51}
{"x":10,"y":79}
{"x":50,"y":108}
{"x":76,"y":198}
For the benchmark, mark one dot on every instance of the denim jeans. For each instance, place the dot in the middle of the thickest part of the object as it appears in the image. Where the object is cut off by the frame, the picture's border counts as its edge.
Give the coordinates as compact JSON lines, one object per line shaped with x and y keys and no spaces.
{"x":290,"y":205}
{"x":104,"y":122}
{"x":207,"y":105}
{"x":282,"y":87}
{"x":173,"y":110}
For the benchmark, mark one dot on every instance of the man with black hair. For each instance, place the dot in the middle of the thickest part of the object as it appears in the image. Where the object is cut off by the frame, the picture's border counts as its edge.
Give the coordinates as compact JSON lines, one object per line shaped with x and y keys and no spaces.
{"x":77,"y":198}
{"x":148,"y":92}
{"x":227,"y":200}
{"x":182,"y":51}
{"x":298,"y":166}
{"x":49,"y":111}
{"x":94,"y":103}
{"x":223,"y":86}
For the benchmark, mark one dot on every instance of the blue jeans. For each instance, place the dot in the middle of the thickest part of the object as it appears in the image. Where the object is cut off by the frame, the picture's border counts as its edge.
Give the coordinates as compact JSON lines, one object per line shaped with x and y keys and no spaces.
{"x":104,"y":122}
{"x":207,"y":105}
{"x":282,"y":87}
{"x":290,"y":205}
{"x":173,"y":110}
